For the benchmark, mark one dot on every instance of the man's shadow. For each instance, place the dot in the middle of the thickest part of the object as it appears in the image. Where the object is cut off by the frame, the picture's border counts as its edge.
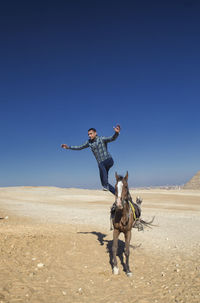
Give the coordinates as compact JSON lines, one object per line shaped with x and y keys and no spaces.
{"x":108,"y":243}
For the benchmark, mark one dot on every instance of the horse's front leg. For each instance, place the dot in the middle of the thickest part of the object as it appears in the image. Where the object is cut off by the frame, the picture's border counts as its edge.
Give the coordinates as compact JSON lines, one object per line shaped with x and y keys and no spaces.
{"x":127,"y":252}
{"x":114,"y":251}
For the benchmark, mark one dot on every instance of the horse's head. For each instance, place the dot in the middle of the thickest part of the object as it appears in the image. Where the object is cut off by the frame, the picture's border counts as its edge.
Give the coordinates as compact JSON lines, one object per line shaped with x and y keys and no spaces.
{"x":121,"y":190}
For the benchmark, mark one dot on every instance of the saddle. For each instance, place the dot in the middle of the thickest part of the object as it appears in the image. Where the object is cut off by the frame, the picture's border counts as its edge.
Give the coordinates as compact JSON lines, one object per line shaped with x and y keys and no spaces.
{"x":134,"y":205}
{"x":137,"y":210}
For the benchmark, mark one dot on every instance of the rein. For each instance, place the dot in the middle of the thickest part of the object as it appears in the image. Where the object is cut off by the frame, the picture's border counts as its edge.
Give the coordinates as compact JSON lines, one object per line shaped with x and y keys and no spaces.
{"x":129,"y":200}
{"x":133,"y":210}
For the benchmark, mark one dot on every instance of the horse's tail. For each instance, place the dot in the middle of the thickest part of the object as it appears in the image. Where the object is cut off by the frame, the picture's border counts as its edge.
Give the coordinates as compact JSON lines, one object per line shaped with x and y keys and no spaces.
{"x":140,"y":224}
{"x":148,"y":223}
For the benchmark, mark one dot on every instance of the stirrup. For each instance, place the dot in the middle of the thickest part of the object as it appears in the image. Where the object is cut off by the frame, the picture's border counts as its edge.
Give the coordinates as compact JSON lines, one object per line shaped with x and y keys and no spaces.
{"x":138,"y":225}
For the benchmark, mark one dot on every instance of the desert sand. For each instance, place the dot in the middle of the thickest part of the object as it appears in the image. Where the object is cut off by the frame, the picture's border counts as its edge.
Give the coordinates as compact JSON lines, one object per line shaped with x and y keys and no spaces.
{"x":56,"y":247}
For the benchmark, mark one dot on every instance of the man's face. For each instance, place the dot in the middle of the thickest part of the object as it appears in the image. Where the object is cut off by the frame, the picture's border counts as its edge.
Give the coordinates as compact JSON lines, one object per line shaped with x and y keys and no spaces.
{"x":92,"y":134}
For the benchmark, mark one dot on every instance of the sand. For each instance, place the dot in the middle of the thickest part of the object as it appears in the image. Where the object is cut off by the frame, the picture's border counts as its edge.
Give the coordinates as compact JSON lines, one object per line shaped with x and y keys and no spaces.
{"x":56,"y":247}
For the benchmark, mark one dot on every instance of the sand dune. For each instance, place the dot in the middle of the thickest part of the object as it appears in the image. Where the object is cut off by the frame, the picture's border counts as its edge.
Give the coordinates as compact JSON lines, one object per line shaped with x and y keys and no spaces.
{"x":55,"y":247}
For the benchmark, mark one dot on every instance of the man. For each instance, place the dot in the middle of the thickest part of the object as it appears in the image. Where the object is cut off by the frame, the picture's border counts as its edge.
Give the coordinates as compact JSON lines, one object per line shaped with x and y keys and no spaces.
{"x":98,"y":145}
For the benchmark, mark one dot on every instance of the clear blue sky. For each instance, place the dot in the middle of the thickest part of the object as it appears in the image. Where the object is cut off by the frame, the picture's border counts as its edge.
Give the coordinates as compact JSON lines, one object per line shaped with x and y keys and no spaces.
{"x":66,"y":66}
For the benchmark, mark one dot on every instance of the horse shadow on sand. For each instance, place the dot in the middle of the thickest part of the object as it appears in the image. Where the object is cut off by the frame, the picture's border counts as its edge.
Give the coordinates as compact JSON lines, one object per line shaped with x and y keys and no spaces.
{"x":102,"y":241}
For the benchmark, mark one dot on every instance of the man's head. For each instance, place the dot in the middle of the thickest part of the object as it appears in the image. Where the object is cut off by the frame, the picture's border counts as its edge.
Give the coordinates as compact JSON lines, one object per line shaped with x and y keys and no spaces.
{"x":92,"y":133}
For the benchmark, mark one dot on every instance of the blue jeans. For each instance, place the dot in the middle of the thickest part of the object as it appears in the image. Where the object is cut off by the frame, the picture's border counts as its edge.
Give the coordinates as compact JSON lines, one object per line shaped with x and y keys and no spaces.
{"x":103,"y":170}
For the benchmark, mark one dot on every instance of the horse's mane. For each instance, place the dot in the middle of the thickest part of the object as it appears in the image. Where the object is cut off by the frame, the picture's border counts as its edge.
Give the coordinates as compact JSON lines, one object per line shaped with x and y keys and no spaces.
{"x":120,"y":178}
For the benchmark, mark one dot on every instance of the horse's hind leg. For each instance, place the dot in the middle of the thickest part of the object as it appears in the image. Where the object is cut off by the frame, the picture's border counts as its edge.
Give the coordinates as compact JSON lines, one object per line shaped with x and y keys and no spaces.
{"x":114,"y":251}
{"x":127,"y":252}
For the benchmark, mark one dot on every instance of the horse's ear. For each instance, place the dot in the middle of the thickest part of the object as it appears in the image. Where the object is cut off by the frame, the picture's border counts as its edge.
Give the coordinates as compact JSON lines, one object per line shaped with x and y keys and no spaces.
{"x":126,"y":177}
{"x":116,"y":176}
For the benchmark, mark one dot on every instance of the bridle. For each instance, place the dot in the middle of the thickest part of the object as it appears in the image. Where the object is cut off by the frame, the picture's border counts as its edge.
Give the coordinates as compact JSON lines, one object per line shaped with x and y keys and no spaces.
{"x":120,"y":202}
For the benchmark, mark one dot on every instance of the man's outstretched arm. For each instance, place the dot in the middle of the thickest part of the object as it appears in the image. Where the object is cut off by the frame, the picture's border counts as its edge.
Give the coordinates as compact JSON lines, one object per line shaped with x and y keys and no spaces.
{"x":85,"y":145}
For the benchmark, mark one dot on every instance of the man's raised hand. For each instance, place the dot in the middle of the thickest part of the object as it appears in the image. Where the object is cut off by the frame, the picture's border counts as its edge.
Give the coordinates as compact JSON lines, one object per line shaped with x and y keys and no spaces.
{"x":65,"y":146}
{"x":117,"y":128}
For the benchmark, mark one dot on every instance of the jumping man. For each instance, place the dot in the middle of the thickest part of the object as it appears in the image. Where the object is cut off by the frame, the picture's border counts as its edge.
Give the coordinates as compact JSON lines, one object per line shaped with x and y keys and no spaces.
{"x":98,"y":145}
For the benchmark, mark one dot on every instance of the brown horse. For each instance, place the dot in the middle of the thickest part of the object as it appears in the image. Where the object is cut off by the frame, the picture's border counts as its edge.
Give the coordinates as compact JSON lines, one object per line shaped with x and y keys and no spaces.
{"x":123,"y":221}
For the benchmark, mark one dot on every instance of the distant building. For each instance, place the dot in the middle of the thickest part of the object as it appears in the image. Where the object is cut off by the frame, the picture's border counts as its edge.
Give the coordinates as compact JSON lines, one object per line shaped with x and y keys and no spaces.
{"x":194,"y":183}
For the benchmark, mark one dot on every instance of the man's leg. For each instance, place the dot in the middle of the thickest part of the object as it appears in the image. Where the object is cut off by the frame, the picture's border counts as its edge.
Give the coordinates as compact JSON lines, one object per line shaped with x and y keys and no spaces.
{"x":103,"y":174}
{"x":108,"y":164}
{"x":111,"y":189}
{"x":103,"y":170}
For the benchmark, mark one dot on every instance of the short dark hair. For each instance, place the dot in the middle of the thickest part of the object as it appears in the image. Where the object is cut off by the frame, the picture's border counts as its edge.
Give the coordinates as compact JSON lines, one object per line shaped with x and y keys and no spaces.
{"x":93,"y":129}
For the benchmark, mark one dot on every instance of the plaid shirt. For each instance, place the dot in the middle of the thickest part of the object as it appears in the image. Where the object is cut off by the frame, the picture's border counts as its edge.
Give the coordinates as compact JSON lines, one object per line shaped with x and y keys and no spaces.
{"x":98,"y":147}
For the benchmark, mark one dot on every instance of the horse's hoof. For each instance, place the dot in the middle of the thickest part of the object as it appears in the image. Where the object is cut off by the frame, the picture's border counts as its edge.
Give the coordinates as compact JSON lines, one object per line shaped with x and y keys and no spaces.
{"x":115,"y":270}
{"x":129,"y":274}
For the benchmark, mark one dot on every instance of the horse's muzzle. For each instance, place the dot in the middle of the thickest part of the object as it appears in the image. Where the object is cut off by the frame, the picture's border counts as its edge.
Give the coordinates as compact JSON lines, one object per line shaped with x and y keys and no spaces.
{"x":119,"y":203}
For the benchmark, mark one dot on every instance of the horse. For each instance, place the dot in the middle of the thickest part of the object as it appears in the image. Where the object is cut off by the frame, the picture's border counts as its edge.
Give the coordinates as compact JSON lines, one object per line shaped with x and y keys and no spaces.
{"x":123,"y":220}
